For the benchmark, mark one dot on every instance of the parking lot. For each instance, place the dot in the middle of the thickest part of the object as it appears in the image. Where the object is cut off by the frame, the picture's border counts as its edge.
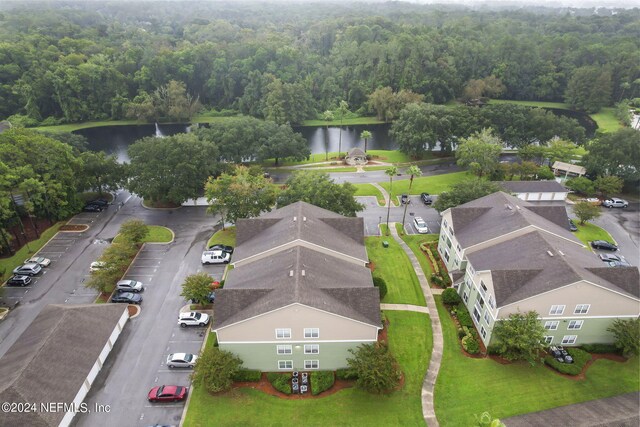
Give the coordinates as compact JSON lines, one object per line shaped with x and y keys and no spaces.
{"x":375,"y":214}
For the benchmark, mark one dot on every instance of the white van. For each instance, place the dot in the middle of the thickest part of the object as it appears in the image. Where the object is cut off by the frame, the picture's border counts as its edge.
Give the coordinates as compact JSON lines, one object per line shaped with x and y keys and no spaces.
{"x":215,"y":257}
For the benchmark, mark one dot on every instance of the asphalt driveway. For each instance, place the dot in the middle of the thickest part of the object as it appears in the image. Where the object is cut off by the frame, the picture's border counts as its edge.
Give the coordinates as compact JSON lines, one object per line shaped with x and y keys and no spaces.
{"x":375,"y":214}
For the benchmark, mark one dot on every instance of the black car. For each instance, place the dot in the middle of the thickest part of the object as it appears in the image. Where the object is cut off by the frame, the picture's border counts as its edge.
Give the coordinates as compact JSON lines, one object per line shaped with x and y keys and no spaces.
{"x":426,"y":198}
{"x":99,"y":202}
{"x":602,"y":244}
{"x":219,"y":247}
{"x":404,"y":199}
{"x":210,"y":298}
{"x":127,"y":297}
{"x":92,"y":208}
{"x":19,"y":280}
{"x":572,"y":225}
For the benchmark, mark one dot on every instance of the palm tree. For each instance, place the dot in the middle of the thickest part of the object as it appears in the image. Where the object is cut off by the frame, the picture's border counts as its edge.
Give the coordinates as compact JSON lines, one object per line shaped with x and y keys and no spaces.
{"x":412,"y":171}
{"x":342,"y":109}
{"x":391,"y":172}
{"x":365,"y":135}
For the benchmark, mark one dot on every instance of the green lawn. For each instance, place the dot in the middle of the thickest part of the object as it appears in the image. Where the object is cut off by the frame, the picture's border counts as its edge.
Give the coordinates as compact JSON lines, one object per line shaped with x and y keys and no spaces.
{"x":427,"y":184}
{"x":468,"y":386}
{"x":589,"y":232}
{"x":393,"y":265}
{"x":330,"y":169}
{"x":414,"y":241}
{"x":539,"y":104}
{"x":8,"y":264}
{"x":345,"y":122}
{"x":606,"y":120}
{"x":409,"y":340}
{"x":369,"y":190}
{"x":224,"y":237}
{"x":157,"y":234}
{"x":389,"y":156}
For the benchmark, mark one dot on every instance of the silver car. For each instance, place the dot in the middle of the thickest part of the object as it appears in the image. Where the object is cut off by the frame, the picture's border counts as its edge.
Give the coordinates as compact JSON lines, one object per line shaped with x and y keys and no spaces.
{"x":181,"y":360}
{"x":30,"y":269}
{"x":129,"y":286}
{"x":615,"y":203}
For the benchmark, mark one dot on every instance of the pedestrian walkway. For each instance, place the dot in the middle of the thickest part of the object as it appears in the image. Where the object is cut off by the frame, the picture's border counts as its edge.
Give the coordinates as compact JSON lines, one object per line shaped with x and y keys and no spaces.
{"x":428,"y":385}
{"x":384,"y":193}
{"x":405,"y":307}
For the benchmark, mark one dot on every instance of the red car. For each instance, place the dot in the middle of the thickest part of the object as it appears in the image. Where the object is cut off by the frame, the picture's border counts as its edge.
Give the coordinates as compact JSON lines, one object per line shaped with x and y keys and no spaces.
{"x":168,"y":393}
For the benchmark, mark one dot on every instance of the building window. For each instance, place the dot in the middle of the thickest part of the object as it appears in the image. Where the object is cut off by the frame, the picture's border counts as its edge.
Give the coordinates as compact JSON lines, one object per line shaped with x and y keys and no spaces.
{"x":551,"y":326}
{"x":487,"y":318}
{"x":548,"y":339}
{"x":581,"y":309}
{"x":311,"y":332}
{"x":283,"y":349}
{"x":470,"y":270}
{"x":569,"y":339}
{"x":458,"y":247}
{"x":557,"y":309}
{"x":575,"y":324}
{"x":311,"y":349}
{"x":449,"y":243}
{"x":476,"y":314}
{"x":483,"y":332}
{"x":483,"y":288}
{"x":285,"y":364}
{"x":444,"y":221}
{"x":446,"y":254}
{"x":283,"y":333}
{"x":465,"y":296}
{"x":311,"y":364}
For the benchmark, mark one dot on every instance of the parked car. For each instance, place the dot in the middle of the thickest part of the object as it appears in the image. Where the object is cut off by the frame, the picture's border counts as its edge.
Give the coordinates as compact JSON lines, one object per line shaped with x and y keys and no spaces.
{"x":127,"y":297}
{"x":221,"y":247}
{"x":181,"y":360}
{"x":210,"y":298}
{"x":44,"y":262}
{"x":19,"y":280}
{"x":594,"y":201}
{"x":215,"y":257}
{"x":611,"y":257}
{"x":97,"y":265}
{"x":621,"y":263}
{"x":30,"y":269}
{"x":602,"y":244}
{"x":404,"y":199}
{"x":92,"y":208}
{"x":426,"y":198}
{"x":615,"y":203}
{"x":192,"y":318}
{"x":572,"y":225}
{"x":421,"y":226}
{"x":167,"y":393}
{"x":99,"y":202}
{"x":129,"y":286}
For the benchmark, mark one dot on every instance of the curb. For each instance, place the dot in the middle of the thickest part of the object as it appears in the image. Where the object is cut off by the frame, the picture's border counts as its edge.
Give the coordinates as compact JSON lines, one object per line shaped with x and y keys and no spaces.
{"x":159,"y":209}
{"x":186,"y":404}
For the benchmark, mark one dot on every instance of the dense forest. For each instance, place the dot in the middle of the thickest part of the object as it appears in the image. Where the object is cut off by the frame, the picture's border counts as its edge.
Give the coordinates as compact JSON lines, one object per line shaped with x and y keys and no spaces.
{"x":69,"y":62}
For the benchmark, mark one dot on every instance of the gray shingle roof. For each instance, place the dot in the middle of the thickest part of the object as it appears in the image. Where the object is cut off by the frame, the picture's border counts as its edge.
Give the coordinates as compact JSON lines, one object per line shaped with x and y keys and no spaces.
{"x":51,"y":359}
{"x":300,"y":221}
{"x":533,"y":187}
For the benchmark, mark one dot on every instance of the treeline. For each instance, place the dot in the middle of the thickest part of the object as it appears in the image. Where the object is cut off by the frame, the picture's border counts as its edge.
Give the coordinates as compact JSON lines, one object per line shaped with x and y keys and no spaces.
{"x":80,"y":61}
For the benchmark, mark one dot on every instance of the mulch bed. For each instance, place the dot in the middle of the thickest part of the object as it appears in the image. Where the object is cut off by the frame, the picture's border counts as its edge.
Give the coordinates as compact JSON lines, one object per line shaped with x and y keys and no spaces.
{"x":74,"y":227}
{"x":265,"y":386}
{"x":582,"y":375}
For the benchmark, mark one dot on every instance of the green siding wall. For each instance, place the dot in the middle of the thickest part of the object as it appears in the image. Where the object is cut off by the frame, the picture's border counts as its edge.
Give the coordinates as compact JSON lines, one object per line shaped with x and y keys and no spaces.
{"x":265,"y":358}
{"x":593,"y":331}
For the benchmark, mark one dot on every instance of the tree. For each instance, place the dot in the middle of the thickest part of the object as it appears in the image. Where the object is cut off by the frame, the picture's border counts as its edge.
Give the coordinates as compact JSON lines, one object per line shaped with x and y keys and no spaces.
{"x":366,"y":135}
{"x":615,"y":153}
{"x":486,"y":420}
{"x":561,"y":150}
{"x":390,"y":172}
{"x":627,"y":334}
{"x":586,"y":211}
{"x":608,"y":184}
{"x":319,"y":190}
{"x":215,"y":369}
{"x":480,"y":152}
{"x":197,"y":287}
{"x":239,"y":195}
{"x":101,"y":172}
{"x":582,"y":185}
{"x":134,"y":230}
{"x":412,"y":171}
{"x":171,"y":169}
{"x":589,"y":89}
{"x":343,"y":109}
{"x":376,"y":368}
{"x":520,"y":337}
{"x":463,"y":192}
{"x":115,"y":258}
{"x":283,"y":143}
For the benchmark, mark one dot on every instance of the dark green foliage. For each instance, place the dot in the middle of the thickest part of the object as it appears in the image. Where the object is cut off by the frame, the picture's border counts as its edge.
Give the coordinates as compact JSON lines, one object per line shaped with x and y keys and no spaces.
{"x":377,"y":369}
{"x":493,"y":349}
{"x":321,"y":381}
{"x":582,"y":185}
{"x":520,"y":337}
{"x":615,"y":153}
{"x":280,"y":381}
{"x":215,"y":369}
{"x":247,"y":375}
{"x":464,"y":192}
{"x":470,"y":344}
{"x":380,"y":283}
{"x":134,"y":230}
{"x":450,"y":297}
{"x":601,"y":348}
{"x":464,"y":318}
{"x":627,"y":333}
{"x":346,"y":374}
{"x":580,"y":358}
{"x":196,"y":287}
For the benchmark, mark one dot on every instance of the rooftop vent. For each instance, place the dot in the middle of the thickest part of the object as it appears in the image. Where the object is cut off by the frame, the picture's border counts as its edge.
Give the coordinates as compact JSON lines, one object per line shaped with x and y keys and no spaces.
{"x":508,"y":207}
{"x":561,"y":253}
{"x":290,"y":273}
{"x":294,"y":219}
{"x":550,"y":253}
{"x":303,"y":273}
{"x":517,"y":207}
{"x":304,"y":218}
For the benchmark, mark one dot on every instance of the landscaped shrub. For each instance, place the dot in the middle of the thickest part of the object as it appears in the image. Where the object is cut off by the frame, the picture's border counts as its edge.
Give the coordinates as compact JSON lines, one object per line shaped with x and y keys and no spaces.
{"x":580,"y":358}
{"x":321,"y":381}
{"x":464,"y":318}
{"x":470,"y":344}
{"x":450,"y":297}
{"x":346,"y":374}
{"x":493,"y":349}
{"x":243,"y":375}
{"x":380,"y":283}
{"x":281,"y":382}
{"x":601,"y":348}
{"x":436,"y":279}
{"x":461,"y":333}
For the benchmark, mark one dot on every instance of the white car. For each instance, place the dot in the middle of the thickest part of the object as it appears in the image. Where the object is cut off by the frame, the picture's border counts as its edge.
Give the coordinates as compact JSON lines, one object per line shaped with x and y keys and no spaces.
{"x":215,"y":257}
{"x":615,"y":203}
{"x":44,"y":262}
{"x":181,"y":360}
{"x":421,"y":226}
{"x":192,"y":318}
{"x":97,"y":265}
{"x":129,"y":286}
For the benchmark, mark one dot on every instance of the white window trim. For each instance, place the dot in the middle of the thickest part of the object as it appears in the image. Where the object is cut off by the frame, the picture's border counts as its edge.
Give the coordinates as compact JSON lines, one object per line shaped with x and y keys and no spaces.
{"x":548,"y":339}
{"x":575,"y":311}
{"x":567,"y":339}
{"x":553,"y":325}
{"x":310,"y":347}
{"x":286,"y":332}
{"x":308,"y":364}
{"x":551,"y":311}
{"x":310,"y":333}
{"x":483,"y":332}
{"x":285,"y":362}
{"x":577,"y":323}
{"x":284,"y":349}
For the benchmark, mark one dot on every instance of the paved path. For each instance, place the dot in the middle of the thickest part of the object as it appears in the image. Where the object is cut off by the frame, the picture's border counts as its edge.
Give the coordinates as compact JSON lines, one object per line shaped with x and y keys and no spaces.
{"x":384,"y":193}
{"x":405,"y":307}
{"x":428,"y":385}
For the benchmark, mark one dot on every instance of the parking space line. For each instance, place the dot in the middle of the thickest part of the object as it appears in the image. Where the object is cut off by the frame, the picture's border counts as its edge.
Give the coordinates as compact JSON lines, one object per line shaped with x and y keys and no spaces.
{"x":186,"y":341}
{"x":164,"y":406}
{"x":140,"y":258}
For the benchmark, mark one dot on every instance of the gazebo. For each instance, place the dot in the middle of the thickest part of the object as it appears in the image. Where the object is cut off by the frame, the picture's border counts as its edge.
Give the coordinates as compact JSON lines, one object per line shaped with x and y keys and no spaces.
{"x":356,"y":156}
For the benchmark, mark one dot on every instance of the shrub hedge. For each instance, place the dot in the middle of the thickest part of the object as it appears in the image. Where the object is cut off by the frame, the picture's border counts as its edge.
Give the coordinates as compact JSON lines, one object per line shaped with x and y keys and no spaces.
{"x":450,"y":297}
{"x":321,"y":381}
{"x":470,"y":344}
{"x":346,"y":374}
{"x":281,"y":382}
{"x":380,"y":283}
{"x":251,"y":375}
{"x":580,"y":358}
{"x":463,"y":316}
{"x":601,"y":348}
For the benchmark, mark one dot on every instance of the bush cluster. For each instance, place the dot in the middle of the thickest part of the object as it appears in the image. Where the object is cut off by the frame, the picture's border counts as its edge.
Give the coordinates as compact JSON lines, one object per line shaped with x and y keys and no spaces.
{"x":601,"y":348}
{"x":580,"y":358}
{"x":470,"y":344}
{"x":321,"y":381}
{"x":450,"y":297}
{"x":346,"y":374}
{"x":493,"y":349}
{"x":247,"y":375}
{"x":464,"y":318}
{"x":281,"y":382}
{"x":381,"y":284}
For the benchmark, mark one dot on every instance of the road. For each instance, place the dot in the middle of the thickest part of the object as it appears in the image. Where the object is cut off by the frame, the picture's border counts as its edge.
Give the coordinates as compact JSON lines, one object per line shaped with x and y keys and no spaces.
{"x":624,"y":227}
